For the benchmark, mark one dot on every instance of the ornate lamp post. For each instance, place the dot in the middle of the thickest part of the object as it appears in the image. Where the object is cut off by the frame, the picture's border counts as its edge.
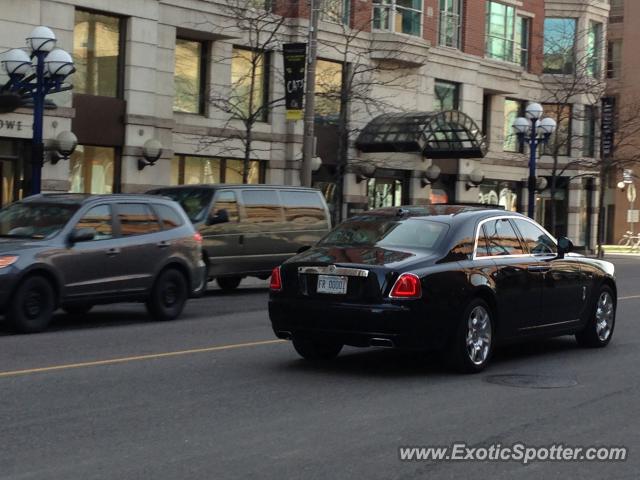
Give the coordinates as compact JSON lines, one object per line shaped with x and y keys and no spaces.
{"x":52,"y":66}
{"x":533,"y":130}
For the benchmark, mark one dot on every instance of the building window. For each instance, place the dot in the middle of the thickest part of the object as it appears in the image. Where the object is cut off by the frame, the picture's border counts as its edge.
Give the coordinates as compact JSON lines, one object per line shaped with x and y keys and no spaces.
{"x":249,"y":83}
{"x":560,"y":142}
{"x":589,"y":144}
{"x":194,"y":170}
{"x":92,"y":169}
{"x":96,"y":54}
{"x":500,"y":192}
{"x":523,"y":36}
{"x":594,"y":50}
{"x":614,"y":58}
{"x":446,"y":96}
{"x":450,"y":23}
{"x":328,"y":87}
{"x":616,"y":14}
{"x":400,"y":16}
{"x":500,"y":37}
{"x":512,"y":110}
{"x":189,"y":76}
{"x":559,"y":45}
{"x":336,"y":11}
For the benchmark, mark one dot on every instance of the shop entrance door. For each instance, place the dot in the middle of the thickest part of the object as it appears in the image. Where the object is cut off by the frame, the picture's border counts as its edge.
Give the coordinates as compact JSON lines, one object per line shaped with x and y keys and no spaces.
{"x":10,"y":172}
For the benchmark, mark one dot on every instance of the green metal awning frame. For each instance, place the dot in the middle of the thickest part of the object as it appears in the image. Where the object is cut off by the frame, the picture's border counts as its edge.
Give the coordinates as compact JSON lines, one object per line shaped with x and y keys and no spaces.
{"x":448,"y":134}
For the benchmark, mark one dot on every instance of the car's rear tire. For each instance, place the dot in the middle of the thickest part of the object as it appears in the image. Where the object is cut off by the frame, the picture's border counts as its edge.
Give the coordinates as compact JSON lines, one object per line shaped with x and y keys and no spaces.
{"x":168,"y":296}
{"x":472,"y":344}
{"x":32,"y":305}
{"x":228,"y":284}
{"x":78,"y":309}
{"x":315,"y":349}
{"x":599,"y":329}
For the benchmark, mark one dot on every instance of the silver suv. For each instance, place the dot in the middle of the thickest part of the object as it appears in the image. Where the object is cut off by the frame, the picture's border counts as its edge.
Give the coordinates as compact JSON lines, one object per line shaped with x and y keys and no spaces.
{"x":75,"y":251}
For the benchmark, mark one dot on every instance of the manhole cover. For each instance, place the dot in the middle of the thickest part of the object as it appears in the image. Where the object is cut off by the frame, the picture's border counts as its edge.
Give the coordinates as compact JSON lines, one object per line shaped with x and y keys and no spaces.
{"x":532,"y":381}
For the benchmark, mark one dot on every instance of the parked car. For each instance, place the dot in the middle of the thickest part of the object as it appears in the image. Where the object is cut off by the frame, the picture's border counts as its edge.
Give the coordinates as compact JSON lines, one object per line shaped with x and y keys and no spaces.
{"x":74,"y":251}
{"x":247,"y":230}
{"x":458,"y":279}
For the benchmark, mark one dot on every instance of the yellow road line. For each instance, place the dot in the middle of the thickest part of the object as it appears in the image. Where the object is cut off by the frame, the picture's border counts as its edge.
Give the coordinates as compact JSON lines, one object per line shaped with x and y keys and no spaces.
{"x":629,"y":297}
{"x":137,"y":358}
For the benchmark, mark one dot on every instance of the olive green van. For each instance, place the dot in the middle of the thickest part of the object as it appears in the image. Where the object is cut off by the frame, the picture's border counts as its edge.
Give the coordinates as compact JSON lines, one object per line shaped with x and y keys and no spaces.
{"x":248,"y":230}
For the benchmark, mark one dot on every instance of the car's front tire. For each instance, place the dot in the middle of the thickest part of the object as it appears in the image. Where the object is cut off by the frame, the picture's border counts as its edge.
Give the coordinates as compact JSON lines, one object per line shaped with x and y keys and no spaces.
{"x":599,"y":329}
{"x":472,"y":344}
{"x":316,"y":349}
{"x":32,"y":305}
{"x":228,"y":284}
{"x":168,"y":296}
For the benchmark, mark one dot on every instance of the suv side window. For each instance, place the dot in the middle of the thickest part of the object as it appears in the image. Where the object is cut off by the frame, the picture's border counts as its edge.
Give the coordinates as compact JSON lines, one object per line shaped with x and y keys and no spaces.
{"x":501,"y":238}
{"x":136,"y":219}
{"x":262,"y":206}
{"x":169,"y":217}
{"x":226,"y":200}
{"x":538,"y":242}
{"x":303,"y":208}
{"x":99,"y":218}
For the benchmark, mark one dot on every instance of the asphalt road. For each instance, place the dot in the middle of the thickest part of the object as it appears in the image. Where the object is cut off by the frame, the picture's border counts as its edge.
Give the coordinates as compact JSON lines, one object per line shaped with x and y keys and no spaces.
{"x":213,"y":396}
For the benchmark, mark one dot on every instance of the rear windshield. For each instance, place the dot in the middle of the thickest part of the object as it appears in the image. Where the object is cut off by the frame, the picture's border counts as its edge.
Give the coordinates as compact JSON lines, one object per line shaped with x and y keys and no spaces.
{"x":374,"y":231}
{"x":195,"y":202}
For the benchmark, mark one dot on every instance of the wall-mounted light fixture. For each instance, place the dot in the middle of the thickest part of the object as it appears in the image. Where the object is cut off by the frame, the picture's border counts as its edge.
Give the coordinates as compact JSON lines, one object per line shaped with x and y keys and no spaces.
{"x":430,"y":175}
{"x":151,"y":151}
{"x":63,"y":146}
{"x":365,"y":172}
{"x":475,"y":178}
{"x":541,"y":184}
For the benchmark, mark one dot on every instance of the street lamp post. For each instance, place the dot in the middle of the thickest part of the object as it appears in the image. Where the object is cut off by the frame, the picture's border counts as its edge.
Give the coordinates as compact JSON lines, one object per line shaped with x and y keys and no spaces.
{"x":52,"y":67}
{"x":533,"y":130}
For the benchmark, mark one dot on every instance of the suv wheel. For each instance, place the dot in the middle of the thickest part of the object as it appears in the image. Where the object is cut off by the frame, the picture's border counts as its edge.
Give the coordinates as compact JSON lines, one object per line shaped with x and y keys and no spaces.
{"x":168,"y":296}
{"x":315,"y":349}
{"x":32,"y":305}
{"x":228,"y":283}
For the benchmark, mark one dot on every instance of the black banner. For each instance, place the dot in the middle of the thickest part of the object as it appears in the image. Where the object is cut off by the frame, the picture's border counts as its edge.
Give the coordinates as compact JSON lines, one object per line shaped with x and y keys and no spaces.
{"x":608,"y":126}
{"x":294,"y":55}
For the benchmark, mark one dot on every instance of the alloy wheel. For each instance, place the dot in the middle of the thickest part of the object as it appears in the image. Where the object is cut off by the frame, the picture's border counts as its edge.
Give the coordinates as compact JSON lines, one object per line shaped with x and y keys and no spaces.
{"x":604,"y":316}
{"x":478,"y":335}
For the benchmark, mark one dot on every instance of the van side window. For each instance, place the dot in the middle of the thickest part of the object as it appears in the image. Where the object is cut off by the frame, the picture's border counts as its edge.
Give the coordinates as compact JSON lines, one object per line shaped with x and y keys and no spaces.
{"x":262,"y":206}
{"x":226,"y":200}
{"x":136,"y":219}
{"x":304,"y":208}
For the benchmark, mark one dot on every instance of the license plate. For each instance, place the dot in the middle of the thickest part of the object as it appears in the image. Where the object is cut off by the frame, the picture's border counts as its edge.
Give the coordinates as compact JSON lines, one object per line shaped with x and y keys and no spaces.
{"x":333,"y":284}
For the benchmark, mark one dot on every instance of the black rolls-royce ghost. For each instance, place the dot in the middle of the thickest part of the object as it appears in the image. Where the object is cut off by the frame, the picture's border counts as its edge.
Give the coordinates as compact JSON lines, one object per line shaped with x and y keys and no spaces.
{"x":459,"y":279}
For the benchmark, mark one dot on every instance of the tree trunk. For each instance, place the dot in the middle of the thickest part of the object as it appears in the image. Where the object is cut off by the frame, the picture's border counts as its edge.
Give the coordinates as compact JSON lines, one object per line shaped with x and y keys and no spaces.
{"x":552,"y":191}
{"x":343,"y":142}
{"x":247,"y":152}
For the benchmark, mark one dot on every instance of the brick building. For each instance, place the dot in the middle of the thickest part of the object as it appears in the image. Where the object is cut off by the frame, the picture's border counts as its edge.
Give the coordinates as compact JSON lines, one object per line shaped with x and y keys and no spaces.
{"x":147,"y":69}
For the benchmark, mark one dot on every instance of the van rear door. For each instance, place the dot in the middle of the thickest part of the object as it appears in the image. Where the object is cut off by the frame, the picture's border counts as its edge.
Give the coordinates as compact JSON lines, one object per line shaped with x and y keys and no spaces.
{"x":306,"y":217}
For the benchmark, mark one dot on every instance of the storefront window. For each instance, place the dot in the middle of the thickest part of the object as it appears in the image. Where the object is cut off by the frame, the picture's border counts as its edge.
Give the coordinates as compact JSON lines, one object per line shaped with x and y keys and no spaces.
{"x":92,"y":169}
{"x":512,"y":110}
{"x":559,"y":45}
{"x":96,"y":50}
{"x":248,"y":67}
{"x":328,"y":86}
{"x":384,"y":192}
{"x":192,"y":170}
{"x":503,"y":193}
{"x":446,"y":96}
{"x":188,"y":76}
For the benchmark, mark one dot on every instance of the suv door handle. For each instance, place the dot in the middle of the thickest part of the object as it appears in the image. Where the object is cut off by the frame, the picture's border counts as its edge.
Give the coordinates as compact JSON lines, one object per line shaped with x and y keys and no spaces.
{"x":113,"y":251}
{"x":163,"y":244}
{"x":539,"y":268}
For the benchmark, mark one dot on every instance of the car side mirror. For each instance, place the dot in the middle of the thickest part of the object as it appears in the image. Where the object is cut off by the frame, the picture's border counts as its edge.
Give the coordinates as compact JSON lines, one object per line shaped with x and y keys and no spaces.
{"x":564,"y":246}
{"x":82,"y":235}
{"x":221,"y":216}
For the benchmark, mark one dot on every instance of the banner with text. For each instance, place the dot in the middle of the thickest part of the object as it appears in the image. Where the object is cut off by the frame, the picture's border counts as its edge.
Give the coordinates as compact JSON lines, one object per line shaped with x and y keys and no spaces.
{"x":295,"y":55}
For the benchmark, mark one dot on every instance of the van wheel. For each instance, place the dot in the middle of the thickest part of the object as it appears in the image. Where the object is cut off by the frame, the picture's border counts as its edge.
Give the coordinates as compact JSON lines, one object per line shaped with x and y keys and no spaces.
{"x":228,"y":283}
{"x":32,"y":305}
{"x":168,"y":296}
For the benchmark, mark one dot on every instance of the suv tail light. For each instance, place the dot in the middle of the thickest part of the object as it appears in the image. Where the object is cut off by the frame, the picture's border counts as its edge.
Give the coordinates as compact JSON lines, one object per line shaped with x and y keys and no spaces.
{"x":198,"y":238}
{"x":276,"y":280}
{"x":407,"y":286}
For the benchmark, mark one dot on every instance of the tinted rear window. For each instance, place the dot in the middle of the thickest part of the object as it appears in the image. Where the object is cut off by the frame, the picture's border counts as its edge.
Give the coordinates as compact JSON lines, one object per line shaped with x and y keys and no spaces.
{"x":195,"y":202}
{"x":370,"y":231}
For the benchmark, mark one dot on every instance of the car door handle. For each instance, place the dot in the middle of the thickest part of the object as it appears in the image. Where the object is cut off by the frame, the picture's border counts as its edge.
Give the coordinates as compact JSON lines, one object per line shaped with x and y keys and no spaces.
{"x":113,"y":251}
{"x":163,"y":244}
{"x":539,"y":268}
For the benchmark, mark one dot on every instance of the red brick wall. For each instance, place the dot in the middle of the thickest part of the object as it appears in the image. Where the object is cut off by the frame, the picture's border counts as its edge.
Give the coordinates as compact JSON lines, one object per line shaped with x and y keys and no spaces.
{"x":361,"y":15}
{"x":430,"y":24}
{"x":537,"y":33}
{"x":291,"y":8}
{"x":473,"y":25}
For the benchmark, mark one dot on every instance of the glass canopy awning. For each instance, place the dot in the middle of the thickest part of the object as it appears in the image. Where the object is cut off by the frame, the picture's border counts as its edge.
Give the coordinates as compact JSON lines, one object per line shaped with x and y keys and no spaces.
{"x":448,"y":134}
